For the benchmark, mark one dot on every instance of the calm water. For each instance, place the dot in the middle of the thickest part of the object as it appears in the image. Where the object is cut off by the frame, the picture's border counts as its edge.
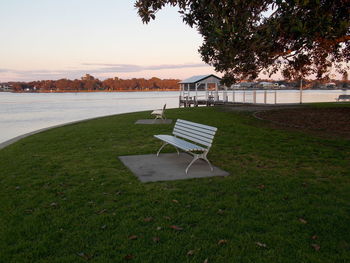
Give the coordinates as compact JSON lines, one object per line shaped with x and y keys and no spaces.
{"x":21,"y":113}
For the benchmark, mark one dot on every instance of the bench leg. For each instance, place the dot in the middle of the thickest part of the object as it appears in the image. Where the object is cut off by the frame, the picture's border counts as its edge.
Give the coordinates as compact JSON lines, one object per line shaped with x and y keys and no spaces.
{"x":161,"y":147}
{"x":165,"y":143}
{"x":199,"y":156}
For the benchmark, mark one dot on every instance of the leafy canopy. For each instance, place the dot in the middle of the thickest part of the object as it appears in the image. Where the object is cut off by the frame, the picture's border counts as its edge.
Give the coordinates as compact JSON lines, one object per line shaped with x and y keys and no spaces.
{"x":244,"y":38}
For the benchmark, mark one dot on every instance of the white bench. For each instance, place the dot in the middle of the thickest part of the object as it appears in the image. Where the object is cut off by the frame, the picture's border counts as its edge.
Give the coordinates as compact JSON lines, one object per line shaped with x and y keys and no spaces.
{"x":191,"y":137}
{"x":343,"y":97}
{"x":160,"y":113}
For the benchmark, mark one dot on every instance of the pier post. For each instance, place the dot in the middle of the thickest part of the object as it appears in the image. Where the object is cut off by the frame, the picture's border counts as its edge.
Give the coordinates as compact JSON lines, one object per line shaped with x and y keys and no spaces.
{"x":265,"y":93}
{"x":275,"y":97}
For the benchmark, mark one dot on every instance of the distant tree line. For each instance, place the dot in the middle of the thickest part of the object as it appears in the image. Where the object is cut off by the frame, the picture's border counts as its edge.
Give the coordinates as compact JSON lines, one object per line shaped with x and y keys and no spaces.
{"x":90,"y":84}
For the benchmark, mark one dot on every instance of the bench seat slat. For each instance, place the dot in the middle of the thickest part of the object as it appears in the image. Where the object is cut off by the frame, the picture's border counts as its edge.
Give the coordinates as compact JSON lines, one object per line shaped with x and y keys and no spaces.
{"x":193,"y":137}
{"x":179,"y":143}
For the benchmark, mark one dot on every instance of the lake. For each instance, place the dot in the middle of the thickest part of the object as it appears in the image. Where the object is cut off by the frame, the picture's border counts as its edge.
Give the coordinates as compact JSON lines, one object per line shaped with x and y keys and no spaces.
{"x":21,"y":113}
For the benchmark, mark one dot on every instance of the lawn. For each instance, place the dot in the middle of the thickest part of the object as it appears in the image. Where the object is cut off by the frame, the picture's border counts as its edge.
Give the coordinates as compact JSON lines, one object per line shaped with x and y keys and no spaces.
{"x":66,"y":197}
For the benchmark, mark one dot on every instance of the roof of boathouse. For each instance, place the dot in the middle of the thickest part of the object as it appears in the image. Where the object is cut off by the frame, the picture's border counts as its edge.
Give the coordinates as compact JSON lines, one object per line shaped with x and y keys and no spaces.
{"x":201,"y":78}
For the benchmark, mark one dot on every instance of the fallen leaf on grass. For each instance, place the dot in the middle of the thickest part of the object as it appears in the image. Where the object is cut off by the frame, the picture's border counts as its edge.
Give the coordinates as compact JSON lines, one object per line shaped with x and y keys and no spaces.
{"x":314,"y":237}
{"x":155,"y":239}
{"x":104,"y":227}
{"x":175,"y":201}
{"x":190,"y":253}
{"x":148,"y":219}
{"x":316,"y":247}
{"x":167,"y":217}
{"x":129,"y":257}
{"x":159,"y":228}
{"x":206,"y":261}
{"x":85,"y":256}
{"x":176,"y":228}
{"x":54,"y":204}
{"x":261,"y":244}
{"x":261,"y":186}
{"x":222,"y":242}
{"x":302,"y":220}
{"x":220,"y":212}
{"x":101,"y":211}
{"x":133,"y":237}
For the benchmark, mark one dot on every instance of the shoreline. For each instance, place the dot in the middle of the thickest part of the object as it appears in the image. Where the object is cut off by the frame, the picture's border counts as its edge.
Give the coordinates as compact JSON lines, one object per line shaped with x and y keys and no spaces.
{"x":19,"y":137}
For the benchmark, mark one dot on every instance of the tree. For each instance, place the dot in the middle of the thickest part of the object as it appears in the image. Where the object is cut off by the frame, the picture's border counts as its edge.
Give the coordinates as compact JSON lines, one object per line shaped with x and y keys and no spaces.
{"x":244,"y":38}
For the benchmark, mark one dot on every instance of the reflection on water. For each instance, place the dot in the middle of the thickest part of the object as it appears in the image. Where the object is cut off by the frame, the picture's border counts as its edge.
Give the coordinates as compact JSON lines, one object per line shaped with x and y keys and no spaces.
{"x":21,"y":113}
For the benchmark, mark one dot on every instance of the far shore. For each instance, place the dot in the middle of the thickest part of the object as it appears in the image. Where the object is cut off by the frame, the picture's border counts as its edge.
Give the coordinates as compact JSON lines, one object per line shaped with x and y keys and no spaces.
{"x":82,"y":91}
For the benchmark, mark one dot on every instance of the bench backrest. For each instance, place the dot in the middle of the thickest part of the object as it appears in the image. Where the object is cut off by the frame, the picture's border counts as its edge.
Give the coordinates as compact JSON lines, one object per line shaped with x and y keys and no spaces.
{"x":195,"y":132}
{"x":344,"y":97}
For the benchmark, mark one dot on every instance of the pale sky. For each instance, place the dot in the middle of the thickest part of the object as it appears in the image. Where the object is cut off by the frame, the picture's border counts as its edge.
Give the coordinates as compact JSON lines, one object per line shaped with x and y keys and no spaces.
{"x":53,"y":39}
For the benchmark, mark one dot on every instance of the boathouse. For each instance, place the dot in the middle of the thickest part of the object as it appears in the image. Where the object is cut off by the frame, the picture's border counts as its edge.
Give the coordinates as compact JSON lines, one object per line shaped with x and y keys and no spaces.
{"x":199,"y":90}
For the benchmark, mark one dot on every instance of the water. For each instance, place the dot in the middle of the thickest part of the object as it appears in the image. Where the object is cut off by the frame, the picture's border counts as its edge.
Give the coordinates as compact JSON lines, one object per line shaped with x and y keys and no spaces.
{"x":21,"y":113}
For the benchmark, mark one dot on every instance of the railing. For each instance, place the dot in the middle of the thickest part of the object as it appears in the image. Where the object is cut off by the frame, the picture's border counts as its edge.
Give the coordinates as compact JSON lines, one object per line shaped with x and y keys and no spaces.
{"x":264,"y":96}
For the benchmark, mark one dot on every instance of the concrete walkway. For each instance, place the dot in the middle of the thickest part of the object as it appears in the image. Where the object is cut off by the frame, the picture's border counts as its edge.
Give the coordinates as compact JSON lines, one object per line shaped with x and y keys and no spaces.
{"x":168,"y":167}
{"x":154,"y":121}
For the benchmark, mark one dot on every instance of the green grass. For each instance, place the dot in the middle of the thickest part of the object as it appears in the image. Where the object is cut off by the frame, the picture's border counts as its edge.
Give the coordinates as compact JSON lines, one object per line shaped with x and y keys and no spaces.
{"x":66,"y":197}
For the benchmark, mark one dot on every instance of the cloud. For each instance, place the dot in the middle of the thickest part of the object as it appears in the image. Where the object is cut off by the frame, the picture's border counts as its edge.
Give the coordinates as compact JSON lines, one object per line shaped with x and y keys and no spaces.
{"x":137,"y":68}
{"x":92,"y":68}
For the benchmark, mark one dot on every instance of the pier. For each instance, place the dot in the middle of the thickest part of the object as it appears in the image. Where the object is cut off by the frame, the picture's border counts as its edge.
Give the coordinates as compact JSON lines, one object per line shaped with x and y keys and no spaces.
{"x":206,"y":90}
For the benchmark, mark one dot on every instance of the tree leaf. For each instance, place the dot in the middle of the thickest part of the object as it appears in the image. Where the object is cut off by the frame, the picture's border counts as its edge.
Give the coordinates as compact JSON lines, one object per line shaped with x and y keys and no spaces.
{"x":101,"y":211}
{"x":222,"y":242}
{"x":156,"y":239}
{"x":316,"y":247}
{"x":302,"y":220}
{"x":176,"y":228}
{"x":220,"y":212}
{"x":84,"y":255}
{"x":129,"y":257}
{"x":132,"y":237}
{"x":261,"y":244}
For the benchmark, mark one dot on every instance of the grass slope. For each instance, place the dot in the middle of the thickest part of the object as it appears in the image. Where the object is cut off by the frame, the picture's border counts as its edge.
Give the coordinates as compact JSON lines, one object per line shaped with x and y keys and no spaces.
{"x":66,"y":197}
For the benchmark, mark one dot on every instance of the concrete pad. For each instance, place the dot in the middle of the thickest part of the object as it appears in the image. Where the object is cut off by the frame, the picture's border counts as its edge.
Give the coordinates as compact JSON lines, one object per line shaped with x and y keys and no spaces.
{"x":168,"y":167}
{"x":154,"y":121}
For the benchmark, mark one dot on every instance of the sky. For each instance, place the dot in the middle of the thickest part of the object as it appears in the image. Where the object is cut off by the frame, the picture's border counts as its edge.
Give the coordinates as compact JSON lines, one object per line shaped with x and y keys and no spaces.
{"x":53,"y":39}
